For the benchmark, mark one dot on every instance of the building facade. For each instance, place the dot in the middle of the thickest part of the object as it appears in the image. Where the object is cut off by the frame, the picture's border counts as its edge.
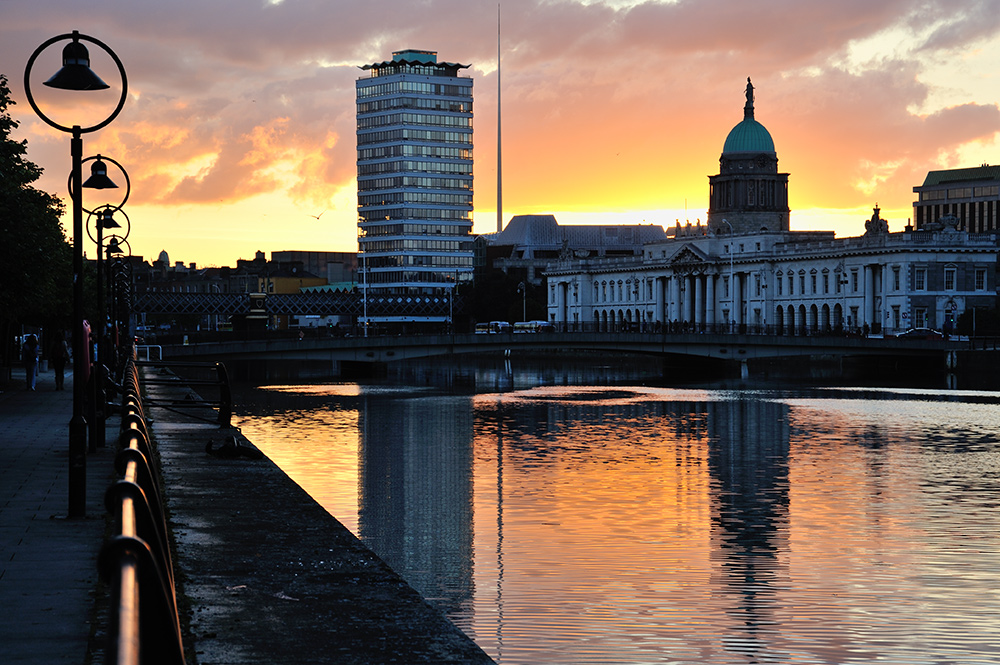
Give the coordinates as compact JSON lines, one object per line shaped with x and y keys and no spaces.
{"x":971,"y":195}
{"x":782,"y":283}
{"x":529,"y":242}
{"x":414,"y":134}
{"x":748,"y":271}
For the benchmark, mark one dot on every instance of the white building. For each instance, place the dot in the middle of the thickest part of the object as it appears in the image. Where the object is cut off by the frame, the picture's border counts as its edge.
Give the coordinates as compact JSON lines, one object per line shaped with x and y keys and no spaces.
{"x":790,"y":283}
{"x":747,"y":271}
{"x":414,"y":132}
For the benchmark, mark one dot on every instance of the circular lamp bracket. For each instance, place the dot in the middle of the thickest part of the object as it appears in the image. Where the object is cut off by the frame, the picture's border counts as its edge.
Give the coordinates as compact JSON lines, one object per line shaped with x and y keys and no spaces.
{"x":102,"y":46}
{"x":113,"y":209}
{"x":128,"y":184}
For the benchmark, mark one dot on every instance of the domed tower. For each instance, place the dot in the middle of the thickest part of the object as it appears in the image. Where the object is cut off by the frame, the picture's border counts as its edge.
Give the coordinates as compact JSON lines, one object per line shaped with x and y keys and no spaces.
{"x":749,"y":193}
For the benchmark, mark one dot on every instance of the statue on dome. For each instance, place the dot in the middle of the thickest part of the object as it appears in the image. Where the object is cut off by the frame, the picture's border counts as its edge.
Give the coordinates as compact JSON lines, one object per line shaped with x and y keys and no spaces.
{"x":749,"y":92}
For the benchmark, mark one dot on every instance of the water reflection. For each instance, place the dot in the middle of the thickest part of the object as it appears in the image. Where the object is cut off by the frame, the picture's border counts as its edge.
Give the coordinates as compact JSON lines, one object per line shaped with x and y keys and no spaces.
{"x":603,"y":523}
{"x":415,"y":493}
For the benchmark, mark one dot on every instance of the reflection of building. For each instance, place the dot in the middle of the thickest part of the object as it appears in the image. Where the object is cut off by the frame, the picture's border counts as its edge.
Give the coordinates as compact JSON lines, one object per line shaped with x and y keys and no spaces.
{"x":765,"y":275}
{"x":414,"y":131}
{"x":748,"y":462}
{"x":415,"y":493}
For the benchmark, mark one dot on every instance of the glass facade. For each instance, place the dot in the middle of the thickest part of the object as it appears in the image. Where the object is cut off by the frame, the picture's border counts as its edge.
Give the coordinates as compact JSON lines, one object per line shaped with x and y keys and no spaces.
{"x":414,"y":133}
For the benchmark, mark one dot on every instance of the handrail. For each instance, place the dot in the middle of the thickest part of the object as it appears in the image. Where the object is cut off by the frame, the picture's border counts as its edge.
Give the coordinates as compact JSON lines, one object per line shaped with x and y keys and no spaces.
{"x":136,"y":562}
{"x":221,"y":381}
{"x":147,"y":351}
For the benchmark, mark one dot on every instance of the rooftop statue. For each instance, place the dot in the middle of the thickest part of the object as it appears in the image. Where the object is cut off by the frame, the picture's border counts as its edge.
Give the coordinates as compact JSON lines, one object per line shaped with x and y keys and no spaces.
{"x":748,"y":107}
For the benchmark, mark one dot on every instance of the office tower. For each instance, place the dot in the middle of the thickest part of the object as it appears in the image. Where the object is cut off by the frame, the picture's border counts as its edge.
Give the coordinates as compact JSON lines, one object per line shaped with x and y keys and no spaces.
{"x":414,"y":130}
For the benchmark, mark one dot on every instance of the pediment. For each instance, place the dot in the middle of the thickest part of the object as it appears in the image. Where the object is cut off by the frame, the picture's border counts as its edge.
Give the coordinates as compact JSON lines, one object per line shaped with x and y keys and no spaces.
{"x":688,"y":256}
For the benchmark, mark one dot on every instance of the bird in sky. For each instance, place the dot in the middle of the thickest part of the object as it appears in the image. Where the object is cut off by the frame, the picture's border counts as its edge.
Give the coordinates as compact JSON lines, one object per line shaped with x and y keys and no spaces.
{"x":318,"y":216}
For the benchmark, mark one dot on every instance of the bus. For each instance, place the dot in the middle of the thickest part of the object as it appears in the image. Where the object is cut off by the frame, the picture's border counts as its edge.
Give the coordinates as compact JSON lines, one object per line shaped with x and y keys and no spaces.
{"x":533,"y":327}
{"x":493,"y":328}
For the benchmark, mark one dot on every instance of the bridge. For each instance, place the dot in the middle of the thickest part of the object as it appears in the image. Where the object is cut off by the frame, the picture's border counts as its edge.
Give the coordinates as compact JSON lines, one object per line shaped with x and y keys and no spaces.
{"x":385,"y":349}
{"x":320,"y":303}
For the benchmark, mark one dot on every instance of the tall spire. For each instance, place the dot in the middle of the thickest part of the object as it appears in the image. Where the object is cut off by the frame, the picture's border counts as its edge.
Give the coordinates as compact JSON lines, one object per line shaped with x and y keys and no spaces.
{"x":499,"y":160}
{"x":748,"y":108}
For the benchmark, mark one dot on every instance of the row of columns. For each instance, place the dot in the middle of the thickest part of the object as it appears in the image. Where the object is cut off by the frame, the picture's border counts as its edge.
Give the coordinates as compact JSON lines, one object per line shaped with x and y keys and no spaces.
{"x":693,"y":298}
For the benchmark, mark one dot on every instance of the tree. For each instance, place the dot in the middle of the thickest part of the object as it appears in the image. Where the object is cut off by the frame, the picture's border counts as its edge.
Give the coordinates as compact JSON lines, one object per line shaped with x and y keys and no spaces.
{"x":35,"y":257}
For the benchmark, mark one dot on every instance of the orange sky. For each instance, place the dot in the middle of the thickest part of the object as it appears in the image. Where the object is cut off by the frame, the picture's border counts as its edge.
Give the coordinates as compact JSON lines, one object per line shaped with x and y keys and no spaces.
{"x":239,"y":126}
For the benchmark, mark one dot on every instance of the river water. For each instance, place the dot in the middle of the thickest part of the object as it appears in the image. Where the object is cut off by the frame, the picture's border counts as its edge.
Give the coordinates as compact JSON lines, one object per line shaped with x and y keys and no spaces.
{"x":593,"y":515}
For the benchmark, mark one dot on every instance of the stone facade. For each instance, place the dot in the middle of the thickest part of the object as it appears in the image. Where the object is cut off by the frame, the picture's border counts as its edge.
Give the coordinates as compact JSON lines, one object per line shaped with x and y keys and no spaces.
{"x":792,"y":283}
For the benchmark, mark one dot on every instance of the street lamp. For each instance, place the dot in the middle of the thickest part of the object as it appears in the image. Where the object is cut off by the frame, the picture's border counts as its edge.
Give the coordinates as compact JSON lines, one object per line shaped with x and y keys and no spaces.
{"x":732,"y":284}
{"x":522,"y":289}
{"x":119,"y":286}
{"x":105,"y":220}
{"x":76,"y":75}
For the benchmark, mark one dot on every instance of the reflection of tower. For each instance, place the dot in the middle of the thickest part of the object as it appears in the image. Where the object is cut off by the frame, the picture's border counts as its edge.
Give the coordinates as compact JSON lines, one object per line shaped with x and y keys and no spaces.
{"x":415,"y":493}
{"x":748,"y":463}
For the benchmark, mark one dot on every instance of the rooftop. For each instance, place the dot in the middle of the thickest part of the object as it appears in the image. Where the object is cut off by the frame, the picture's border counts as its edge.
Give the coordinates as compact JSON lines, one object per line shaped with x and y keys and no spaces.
{"x":976,"y":173}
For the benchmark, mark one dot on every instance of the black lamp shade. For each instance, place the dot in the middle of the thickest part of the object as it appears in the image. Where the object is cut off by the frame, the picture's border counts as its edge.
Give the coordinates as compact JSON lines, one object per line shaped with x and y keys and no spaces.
{"x":99,"y":176}
{"x":107,"y":220}
{"x":76,"y":73}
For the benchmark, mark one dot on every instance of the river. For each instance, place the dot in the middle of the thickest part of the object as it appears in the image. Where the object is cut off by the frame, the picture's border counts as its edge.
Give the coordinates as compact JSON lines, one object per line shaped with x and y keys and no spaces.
{"x":589,"y":513}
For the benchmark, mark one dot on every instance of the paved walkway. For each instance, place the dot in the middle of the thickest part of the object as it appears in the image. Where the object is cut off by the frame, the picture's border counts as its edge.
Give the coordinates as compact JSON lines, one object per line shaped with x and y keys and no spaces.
{"x":270,"y":576}
{"x":48,"y":562}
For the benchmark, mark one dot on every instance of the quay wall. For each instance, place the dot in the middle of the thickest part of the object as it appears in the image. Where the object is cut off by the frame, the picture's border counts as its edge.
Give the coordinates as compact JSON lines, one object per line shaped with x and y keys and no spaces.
{"x":268,"y":576}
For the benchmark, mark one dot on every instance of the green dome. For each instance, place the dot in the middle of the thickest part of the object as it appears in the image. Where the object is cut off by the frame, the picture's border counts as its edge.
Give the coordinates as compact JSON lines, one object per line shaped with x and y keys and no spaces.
{"x":749,"y":136}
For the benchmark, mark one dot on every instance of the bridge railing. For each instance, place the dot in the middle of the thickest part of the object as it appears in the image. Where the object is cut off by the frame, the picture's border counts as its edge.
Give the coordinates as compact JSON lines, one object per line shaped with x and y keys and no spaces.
{"x":136,"y":562}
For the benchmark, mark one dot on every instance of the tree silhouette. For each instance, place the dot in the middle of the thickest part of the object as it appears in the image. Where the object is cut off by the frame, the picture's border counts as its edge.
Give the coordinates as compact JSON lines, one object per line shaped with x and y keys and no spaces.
{"x":35,"y":258}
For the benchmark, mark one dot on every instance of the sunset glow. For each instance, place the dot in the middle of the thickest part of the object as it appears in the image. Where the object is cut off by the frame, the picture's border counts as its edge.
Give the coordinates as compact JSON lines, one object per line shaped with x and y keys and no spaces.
{"x":239,"y":129}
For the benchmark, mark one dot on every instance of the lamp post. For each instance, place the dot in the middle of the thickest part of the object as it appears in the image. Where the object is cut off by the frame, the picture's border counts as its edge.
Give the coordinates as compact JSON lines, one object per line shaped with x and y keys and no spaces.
{"x":105,"y":220}
{"x":732,"y":284}
{"x":76,"y":75}
{"x":523,"y":289}
{"x":119,"y":284}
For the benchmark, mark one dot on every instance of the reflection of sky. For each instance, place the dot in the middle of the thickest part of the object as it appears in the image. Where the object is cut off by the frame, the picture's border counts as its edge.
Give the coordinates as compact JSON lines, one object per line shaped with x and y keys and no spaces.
{"x":634,"y":524}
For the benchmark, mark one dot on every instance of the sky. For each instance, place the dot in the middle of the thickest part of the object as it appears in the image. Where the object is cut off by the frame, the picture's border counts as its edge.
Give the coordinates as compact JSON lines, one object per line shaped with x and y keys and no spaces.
{"x":238,"y":130}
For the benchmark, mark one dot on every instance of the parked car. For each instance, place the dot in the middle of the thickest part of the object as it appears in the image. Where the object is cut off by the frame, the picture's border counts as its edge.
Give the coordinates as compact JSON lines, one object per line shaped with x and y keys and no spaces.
{"x":921,"y":333}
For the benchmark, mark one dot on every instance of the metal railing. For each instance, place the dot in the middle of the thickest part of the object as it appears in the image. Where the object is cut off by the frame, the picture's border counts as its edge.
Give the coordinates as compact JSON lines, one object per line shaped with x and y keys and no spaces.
{"x":200,"y":375}
{"x":147,"y":351}
{"x":136,"y":562}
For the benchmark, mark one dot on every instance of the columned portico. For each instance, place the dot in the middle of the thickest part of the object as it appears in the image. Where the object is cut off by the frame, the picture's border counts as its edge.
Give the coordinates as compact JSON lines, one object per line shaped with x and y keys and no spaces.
{"x":699,"y":300}
{"x":710,"y":300}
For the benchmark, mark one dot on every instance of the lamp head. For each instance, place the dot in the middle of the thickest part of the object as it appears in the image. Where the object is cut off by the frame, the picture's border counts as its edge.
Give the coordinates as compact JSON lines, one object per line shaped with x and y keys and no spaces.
{"x":99,"y":176}
{"x":114,"y":247}
{"x":106,"y":219}
{"x":76,"y":73}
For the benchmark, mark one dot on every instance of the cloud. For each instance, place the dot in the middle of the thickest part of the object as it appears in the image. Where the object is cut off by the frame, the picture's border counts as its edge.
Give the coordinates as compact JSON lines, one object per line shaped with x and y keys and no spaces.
{"x":606,"y":105}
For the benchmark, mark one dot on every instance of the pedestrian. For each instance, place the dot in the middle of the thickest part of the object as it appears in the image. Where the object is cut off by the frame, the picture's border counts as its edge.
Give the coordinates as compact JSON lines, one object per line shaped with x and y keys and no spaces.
{"x":29,"y":358}
{"x":59,"y":354}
